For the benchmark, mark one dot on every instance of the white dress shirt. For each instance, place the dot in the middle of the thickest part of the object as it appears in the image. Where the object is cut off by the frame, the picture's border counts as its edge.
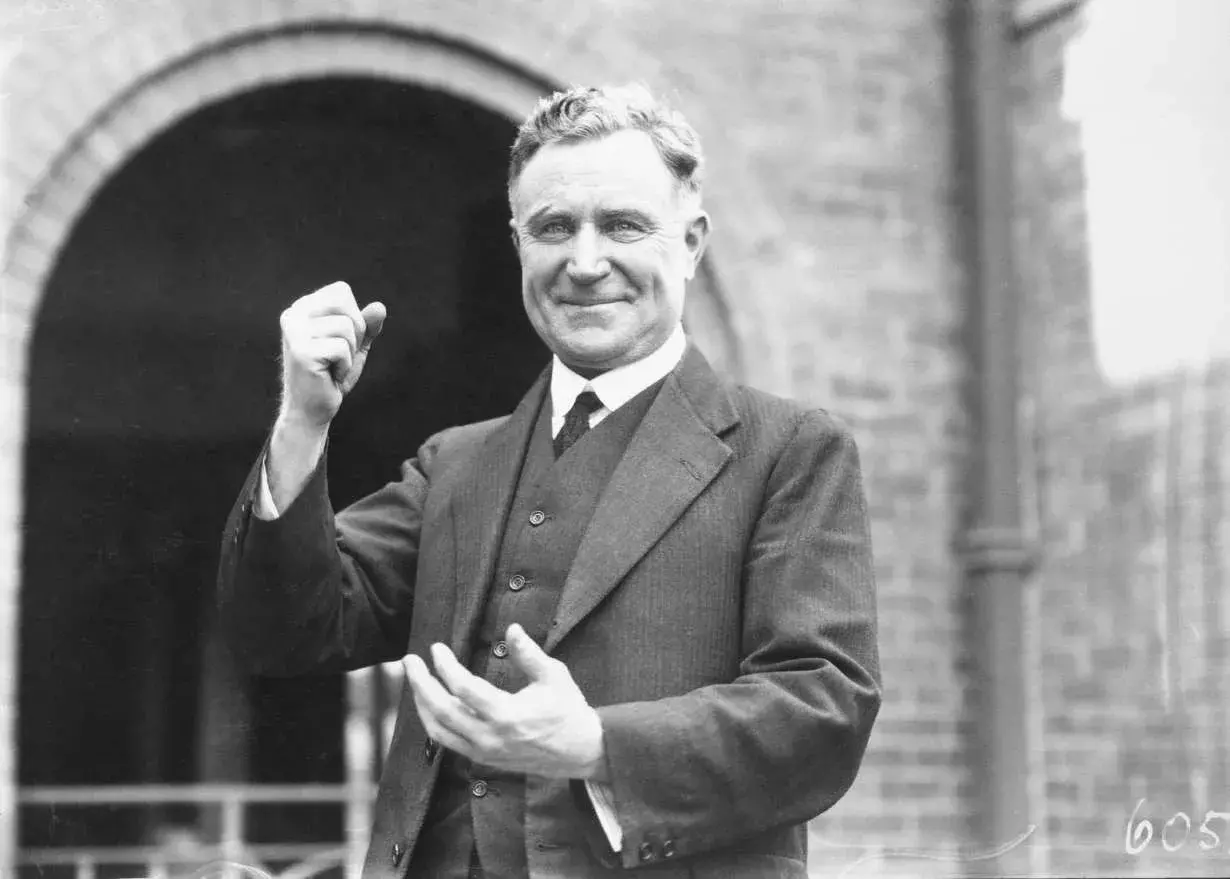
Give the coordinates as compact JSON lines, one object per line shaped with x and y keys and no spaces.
{"x":614,"y":388}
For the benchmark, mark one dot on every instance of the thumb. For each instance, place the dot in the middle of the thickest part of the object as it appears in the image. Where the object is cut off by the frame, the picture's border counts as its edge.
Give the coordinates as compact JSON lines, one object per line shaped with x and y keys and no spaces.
{"x":527,"y":655}
{"x":373,"y":315}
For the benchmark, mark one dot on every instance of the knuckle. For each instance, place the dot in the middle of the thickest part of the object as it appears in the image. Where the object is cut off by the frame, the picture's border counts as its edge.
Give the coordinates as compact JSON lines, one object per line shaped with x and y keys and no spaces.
{"x":339,"y":289}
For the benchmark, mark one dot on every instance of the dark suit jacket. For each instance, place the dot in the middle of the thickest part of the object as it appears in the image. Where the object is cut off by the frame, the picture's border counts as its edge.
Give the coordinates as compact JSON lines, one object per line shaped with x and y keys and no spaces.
{"x":720,"y":614}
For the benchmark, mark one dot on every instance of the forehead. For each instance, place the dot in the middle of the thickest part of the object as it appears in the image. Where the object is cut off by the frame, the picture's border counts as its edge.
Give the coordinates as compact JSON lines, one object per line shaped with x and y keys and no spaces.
{"x":623,"y":167}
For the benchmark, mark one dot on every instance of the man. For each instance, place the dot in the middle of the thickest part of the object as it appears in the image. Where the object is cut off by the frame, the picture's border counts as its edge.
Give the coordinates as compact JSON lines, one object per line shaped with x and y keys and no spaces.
{"x":637,"y":614}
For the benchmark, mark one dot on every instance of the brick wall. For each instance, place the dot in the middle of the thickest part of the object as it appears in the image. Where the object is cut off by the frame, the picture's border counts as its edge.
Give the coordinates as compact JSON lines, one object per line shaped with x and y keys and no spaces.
{"x":827,"y":127}
{"x":1129,"y":616}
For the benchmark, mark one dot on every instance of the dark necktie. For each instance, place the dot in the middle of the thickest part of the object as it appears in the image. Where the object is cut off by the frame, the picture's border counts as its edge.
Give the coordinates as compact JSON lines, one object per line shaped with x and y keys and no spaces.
{"x":576,"y":422}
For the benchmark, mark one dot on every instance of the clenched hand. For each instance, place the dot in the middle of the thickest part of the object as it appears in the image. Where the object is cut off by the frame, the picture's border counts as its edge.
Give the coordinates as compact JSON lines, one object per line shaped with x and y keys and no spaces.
{"x":325,"y":342}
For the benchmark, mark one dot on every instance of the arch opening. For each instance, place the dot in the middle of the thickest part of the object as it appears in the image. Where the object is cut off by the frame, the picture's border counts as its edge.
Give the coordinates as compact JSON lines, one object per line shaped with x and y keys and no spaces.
{"x":152,"y":382}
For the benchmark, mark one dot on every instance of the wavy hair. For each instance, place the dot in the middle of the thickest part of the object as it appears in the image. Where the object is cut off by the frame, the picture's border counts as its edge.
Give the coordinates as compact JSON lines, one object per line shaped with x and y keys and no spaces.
{"x":583,"y":113}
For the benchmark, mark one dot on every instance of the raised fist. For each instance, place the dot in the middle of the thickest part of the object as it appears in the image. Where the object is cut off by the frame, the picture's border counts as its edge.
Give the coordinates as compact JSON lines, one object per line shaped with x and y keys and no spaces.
{"x":325,"y":342}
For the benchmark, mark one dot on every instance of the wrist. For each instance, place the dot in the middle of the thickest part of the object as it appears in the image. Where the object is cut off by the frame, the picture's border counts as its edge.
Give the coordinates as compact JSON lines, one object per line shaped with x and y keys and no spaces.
{"x":295,"y":423}
{"x":595,"y":768}
{"x":295,"y":449}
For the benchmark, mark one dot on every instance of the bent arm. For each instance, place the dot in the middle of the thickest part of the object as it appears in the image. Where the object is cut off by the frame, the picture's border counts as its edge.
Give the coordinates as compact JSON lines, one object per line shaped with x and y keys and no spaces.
{"x":308,"y":592}
{"x":783,"y":741}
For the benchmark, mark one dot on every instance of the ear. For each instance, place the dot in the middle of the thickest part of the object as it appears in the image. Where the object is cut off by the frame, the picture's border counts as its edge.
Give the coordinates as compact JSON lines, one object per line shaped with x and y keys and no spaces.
{"x":516,"y":238}
{"x":696,"y":238}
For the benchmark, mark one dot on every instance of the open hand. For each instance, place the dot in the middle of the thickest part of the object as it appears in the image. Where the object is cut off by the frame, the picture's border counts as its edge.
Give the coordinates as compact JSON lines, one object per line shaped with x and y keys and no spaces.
{"x":547,"y":728}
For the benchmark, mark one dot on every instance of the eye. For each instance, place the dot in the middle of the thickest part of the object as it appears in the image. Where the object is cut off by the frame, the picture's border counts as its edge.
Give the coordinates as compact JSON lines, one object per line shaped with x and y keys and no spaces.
{"x":625,"y":229}
{"x":554,"y":230}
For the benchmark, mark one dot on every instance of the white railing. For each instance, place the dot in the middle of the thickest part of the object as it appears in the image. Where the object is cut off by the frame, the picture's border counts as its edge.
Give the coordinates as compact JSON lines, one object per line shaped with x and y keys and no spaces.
{"x":232,"y":856}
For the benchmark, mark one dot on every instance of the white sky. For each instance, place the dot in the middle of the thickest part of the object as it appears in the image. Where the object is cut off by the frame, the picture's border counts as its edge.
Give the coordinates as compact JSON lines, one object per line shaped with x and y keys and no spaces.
{"x":1149,"y":83}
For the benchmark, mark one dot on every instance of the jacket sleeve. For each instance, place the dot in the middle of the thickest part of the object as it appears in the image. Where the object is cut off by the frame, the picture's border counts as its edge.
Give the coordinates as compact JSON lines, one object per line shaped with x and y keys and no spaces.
{"x":311,"y":592}
{"x":783,"y":741}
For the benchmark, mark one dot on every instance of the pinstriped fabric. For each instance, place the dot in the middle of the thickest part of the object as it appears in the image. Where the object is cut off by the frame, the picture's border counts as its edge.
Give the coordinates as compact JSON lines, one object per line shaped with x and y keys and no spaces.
{"x":720,"y":613}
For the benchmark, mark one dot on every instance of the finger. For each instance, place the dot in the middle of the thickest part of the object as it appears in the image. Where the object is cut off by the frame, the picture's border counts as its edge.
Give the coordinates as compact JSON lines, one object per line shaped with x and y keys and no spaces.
{"x":333,"y":354}
{"x":478,"y":695}
{"x":442,"y":734}
{"x":420,"y":680}
{"x":528,"y":656}
{"x":373,"y":315}
{"x":335,"y":295}
{"x":431,"y":697}
{"x":334,"y":326}
{"x":335,"y":298}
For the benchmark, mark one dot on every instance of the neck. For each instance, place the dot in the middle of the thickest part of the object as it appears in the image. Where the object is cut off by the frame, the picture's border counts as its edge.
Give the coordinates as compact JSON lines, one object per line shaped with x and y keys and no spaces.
{"x":586,"y":372}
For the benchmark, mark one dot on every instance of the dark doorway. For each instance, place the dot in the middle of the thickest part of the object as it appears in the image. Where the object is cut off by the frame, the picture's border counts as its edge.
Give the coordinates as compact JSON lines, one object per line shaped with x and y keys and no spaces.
{"x":153,"y":378}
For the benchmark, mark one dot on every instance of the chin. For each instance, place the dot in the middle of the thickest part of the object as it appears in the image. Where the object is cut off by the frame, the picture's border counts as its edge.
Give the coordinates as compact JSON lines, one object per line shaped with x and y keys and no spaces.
{"x":593,"y":353}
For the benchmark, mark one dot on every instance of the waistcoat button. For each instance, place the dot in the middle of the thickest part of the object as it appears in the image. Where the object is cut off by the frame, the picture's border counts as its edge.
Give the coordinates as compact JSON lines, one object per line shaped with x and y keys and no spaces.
{"x":479,"y":788}
{"x":516,"y":582}
{"x":500,"y":649}
{"x":537,"y":517}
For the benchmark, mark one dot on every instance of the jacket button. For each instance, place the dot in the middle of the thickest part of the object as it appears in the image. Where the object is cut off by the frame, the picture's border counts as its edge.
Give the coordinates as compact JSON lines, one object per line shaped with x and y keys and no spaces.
{"x":668,"y":848}
{"x":430,"y":748}
{"x":516,"y":582}
{"x":399,"y":852}
{"x":499,"y":649}
{"x":537,"y":517}
{"x":479,"y":788}
{"x":645,"y":851}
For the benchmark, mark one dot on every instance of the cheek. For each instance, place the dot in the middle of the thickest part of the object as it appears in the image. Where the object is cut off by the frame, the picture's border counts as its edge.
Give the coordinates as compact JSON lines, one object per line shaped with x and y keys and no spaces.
{"x":539,"y":268}
{"x":646,"y":268}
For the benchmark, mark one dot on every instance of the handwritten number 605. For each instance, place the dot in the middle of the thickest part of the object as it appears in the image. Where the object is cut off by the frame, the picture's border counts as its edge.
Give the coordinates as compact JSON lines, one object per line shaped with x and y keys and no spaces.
{"x":1139,"y":834}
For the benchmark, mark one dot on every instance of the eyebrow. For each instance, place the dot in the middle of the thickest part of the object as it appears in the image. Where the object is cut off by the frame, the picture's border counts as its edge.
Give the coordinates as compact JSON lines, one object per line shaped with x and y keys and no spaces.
{"x":544,"y":212}
{"x":553,"y":212}
{"x":627,"y":213}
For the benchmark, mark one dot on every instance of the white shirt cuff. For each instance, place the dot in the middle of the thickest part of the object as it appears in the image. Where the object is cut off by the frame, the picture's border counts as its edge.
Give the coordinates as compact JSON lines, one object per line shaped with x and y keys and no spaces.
{"x":604,"y":806}
{"x":265,"y":508}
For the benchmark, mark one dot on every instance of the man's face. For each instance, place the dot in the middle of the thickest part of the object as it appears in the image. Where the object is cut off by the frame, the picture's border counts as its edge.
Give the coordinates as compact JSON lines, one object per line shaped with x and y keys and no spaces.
{"x":607,"y":244}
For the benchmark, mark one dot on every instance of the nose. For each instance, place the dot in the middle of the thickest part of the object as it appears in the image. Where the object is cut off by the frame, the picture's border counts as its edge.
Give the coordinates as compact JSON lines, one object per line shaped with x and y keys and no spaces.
{"x":587,"y":264}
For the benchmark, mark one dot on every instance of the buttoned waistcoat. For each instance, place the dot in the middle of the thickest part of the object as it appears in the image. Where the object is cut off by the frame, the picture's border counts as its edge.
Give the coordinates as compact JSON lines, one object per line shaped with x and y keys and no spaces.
{"x":719,"y":614}
{"x":551,"y":508}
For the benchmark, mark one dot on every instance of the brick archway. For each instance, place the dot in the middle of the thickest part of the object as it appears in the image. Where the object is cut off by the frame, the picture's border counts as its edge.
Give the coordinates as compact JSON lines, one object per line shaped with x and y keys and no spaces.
{"x":116,"y":90}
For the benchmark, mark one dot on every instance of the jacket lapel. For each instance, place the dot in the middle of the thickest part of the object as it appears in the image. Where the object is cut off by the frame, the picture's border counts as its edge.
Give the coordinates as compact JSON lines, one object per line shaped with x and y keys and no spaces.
{"x":481,"y":506}
{"x":672,"y":457}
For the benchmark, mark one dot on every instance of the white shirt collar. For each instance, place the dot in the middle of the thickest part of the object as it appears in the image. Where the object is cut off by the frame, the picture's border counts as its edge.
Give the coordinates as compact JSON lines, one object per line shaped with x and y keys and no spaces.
{"x":619,"y":385}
